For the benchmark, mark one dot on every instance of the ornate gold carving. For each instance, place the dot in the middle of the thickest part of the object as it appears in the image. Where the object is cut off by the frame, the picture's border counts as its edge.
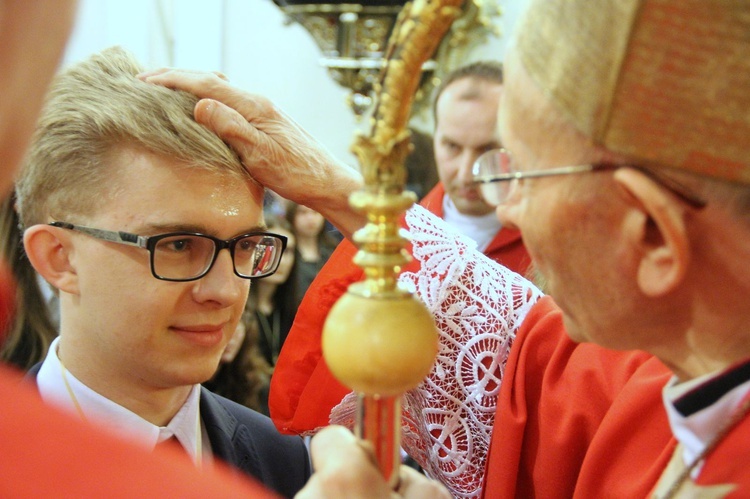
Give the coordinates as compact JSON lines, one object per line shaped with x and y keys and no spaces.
{"x":378,"y":338}
{"x":353,"y":38}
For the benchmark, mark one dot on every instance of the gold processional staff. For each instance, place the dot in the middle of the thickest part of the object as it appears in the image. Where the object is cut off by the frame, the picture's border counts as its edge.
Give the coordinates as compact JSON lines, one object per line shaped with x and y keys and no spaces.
{"x":379,"y":340}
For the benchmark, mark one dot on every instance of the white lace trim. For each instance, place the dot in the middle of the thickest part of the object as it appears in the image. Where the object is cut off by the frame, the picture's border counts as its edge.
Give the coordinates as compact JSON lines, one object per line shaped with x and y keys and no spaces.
{"x":477,"y":305}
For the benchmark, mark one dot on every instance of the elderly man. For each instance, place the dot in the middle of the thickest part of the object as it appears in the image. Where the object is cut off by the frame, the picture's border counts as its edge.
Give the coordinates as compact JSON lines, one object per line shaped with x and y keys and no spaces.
{"x":626,"y":169}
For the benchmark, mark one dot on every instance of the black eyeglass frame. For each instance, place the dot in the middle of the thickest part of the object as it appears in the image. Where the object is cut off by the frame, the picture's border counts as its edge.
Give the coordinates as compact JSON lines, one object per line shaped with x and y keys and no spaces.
{"x":149,"y":243}
{"x":672,"y":185}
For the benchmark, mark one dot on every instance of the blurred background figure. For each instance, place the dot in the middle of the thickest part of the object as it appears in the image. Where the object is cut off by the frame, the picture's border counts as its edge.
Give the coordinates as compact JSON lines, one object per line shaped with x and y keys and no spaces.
{"x":314,"y":246}
{"x":420,"y":165}
{"x":35,"y":323}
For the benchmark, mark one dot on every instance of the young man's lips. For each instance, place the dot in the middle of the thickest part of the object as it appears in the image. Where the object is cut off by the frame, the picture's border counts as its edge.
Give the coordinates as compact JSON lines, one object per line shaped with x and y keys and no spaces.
{"x":202,"y":328}
{"x":204,"y":335}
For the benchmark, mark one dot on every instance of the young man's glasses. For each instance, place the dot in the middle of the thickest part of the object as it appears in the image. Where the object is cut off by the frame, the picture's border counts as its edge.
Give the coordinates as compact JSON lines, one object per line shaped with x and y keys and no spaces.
{"x":187,"y":256}
{"x":496,"y":175}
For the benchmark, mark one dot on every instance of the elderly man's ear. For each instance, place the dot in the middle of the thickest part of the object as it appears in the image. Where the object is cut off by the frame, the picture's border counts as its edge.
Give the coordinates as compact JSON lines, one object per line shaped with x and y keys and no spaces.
{"x":50,"y":251}
{"x":655,"y":229}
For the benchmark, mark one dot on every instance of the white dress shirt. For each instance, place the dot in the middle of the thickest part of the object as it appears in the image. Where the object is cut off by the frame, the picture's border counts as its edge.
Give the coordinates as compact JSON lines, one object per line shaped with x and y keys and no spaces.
{"x":481,"y":229}
{"x":59,"y":387}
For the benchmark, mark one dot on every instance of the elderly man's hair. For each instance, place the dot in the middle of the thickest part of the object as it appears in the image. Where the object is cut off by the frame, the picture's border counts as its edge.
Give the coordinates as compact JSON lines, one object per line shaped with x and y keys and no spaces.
{"x":490,"y":71}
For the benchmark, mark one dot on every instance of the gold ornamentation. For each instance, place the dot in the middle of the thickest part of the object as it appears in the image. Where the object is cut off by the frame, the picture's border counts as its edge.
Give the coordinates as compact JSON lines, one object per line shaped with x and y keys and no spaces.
{"x":378,"y":338}
{"x":353,"y":40}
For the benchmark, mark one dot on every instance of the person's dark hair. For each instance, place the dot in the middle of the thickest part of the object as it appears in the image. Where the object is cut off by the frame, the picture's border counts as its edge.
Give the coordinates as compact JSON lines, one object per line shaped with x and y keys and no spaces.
{"x":326,"y":240}
{"x":30,"y":329}
{"x":481,"y":70}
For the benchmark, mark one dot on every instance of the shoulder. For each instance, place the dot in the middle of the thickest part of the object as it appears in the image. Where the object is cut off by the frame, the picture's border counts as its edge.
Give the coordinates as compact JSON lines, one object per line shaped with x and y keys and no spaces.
{"x":245,"y":428}
{"x":433,"y":200}
{"x":249,"y":441}
{"x":217,"y":409}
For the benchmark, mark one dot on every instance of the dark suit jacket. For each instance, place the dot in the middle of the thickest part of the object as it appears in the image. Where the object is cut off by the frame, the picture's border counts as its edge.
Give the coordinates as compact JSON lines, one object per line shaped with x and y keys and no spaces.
{"x":249,"y":441}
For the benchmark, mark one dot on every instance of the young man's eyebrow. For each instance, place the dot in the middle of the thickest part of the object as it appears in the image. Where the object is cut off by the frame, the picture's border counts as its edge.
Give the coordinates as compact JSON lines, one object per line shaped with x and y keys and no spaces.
{"x":161,"y":228}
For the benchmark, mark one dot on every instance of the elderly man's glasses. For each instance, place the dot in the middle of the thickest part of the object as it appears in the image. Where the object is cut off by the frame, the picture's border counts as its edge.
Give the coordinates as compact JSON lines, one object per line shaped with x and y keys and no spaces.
{"x":496,"y":175}
{"x":187,"y":256}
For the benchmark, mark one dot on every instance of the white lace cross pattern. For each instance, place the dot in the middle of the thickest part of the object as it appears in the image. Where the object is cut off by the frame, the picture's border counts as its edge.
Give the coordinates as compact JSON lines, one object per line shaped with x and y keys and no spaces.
{"x":478,"y":306}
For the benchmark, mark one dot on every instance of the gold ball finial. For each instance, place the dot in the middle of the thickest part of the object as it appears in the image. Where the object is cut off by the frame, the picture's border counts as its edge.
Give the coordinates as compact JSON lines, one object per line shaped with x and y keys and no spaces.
{"x":380,"y":346}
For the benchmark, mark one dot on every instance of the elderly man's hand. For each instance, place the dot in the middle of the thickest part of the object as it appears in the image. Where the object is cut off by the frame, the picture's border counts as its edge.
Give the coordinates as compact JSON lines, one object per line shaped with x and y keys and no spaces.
{"x":344,"y":468}
{"x":276,"y":151}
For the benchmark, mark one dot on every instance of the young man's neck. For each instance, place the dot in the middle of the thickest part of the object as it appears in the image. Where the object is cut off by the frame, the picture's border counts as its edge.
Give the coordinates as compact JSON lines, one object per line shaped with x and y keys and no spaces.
{"x":156,"y":405}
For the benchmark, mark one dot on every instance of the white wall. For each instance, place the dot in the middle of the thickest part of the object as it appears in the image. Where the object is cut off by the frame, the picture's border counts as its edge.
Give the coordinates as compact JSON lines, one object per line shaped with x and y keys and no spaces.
{"x":249,"y":41}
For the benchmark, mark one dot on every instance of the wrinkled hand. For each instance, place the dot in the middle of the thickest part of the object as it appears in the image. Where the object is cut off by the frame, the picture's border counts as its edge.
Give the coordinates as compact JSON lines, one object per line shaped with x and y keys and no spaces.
{"x":276,"y":151}
{"x":344,"y":468}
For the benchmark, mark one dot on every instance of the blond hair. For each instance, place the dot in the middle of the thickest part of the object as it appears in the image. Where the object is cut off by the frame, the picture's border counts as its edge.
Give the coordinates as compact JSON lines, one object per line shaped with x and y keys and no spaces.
{"x":94,"y":109}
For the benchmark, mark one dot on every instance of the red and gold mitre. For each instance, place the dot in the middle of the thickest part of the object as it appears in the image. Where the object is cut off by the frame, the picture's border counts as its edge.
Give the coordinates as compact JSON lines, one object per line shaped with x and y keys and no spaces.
{"x":665,"y":81}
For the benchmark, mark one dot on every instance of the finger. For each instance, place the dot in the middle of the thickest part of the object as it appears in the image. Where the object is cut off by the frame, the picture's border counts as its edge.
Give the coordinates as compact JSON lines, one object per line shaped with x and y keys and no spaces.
{"x":182,"y":79}
{"x":153,"y":72}
{"x":225,"y":122}
{"x":218,"y":114}
{"x":331,"y":442}
{"x":231,"y":127}
{"x":343,"y":468}
{"x":414,"y":485}
{"x":221,"y":75}
{"x":253,"y":146}
{"x":207,"y":85}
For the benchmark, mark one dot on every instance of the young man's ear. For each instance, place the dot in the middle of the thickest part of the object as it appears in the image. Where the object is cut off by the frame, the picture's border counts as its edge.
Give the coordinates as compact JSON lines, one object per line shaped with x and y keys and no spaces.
{"x":656,"y":227}
{"x":49,"y":250}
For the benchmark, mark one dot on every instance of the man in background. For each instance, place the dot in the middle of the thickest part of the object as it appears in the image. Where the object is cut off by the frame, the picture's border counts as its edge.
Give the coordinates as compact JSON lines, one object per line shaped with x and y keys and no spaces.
{"x":465,"y":113}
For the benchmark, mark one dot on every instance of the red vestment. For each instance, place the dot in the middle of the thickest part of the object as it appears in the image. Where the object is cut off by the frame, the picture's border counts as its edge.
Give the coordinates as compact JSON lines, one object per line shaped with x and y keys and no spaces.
{"x":572,"y":420}
{"x":303,"y":390}
{"x":578,"y":420}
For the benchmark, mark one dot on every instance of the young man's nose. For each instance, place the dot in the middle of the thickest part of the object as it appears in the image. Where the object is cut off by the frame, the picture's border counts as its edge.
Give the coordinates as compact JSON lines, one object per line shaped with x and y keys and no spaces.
{"x":220,"y":284}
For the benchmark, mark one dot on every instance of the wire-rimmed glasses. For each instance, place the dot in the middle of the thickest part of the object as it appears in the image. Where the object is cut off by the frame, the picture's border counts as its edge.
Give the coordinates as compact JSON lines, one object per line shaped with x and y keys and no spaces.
{"x":188,"y":256}
{"x":496,"y":176}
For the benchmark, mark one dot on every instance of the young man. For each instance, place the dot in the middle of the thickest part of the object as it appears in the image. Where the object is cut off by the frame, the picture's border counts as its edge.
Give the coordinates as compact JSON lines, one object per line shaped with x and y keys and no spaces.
{"x":46,"y":451}
{"x":151,"y":231}
{"x":630,"y":182}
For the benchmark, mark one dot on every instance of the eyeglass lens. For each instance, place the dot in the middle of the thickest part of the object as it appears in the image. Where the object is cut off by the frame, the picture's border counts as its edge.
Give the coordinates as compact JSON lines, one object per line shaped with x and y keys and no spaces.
{"x":489,"y":164}
{"x":185,"y":256}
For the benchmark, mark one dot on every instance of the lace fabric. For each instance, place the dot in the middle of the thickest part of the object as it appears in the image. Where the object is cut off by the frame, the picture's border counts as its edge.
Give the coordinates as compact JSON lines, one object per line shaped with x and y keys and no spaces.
{"x":478,"y":306}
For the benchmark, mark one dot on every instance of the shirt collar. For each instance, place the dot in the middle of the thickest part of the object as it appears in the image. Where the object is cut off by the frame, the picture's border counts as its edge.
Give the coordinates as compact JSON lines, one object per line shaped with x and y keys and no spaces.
{"x":698,"y":409}
{"x":481,"y":229}
{"x":59,"y":387}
